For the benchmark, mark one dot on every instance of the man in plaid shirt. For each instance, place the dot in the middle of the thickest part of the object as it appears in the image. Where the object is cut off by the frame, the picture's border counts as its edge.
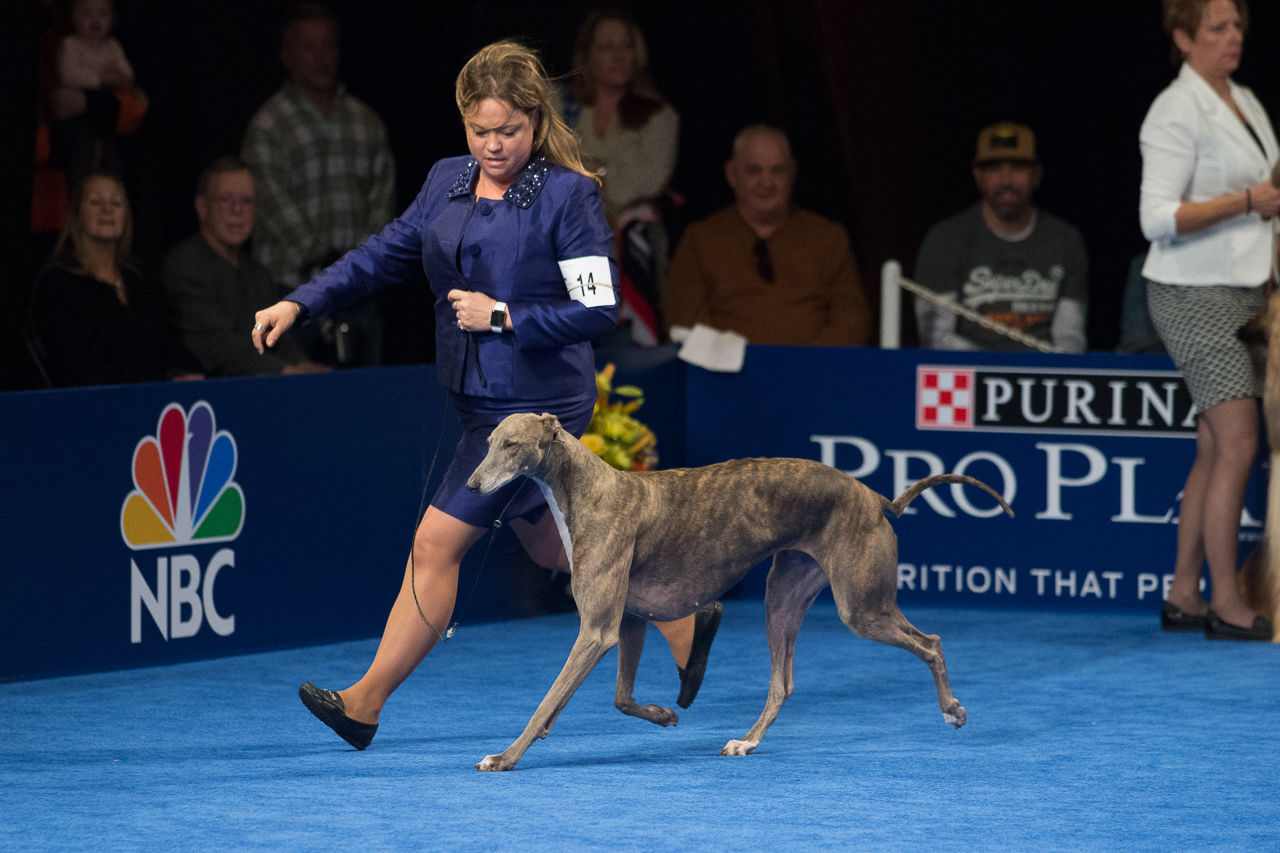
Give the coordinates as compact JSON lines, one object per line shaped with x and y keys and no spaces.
{"x":326,"y":177}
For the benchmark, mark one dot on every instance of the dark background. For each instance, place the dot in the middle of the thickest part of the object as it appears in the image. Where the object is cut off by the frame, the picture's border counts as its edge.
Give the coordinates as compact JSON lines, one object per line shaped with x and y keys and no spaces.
{"x":882,"y":99}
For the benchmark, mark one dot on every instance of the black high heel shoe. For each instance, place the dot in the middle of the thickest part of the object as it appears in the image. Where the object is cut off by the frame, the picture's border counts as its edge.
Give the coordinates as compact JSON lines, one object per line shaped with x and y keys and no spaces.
{"x":330,"y":710}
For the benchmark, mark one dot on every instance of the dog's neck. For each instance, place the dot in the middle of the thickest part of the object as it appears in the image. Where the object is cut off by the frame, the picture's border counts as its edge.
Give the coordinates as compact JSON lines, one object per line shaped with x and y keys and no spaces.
{"x":569,"y":469}
{"x":569,"y":477}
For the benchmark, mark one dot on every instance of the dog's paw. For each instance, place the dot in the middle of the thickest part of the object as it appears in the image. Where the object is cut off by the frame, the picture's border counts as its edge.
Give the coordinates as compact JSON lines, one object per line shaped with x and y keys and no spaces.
{"x":740,"y":747}
{"x":658,"y":715}
{"x":655,"y":714}
{"x":495,"y":763}
{"x":956,"y":716}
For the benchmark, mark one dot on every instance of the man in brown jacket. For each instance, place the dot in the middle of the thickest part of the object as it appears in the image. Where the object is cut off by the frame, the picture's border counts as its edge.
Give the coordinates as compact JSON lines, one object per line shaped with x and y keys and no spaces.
{"x":771,"y":272}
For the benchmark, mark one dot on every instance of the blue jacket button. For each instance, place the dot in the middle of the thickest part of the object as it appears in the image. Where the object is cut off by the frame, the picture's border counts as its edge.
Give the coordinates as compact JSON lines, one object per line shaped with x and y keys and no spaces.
{"x":474,"y":249}
{"x":485,"y":209}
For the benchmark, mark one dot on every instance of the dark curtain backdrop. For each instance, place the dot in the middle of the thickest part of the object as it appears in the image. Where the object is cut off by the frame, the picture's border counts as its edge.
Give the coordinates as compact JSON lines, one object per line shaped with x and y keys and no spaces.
{"x":882,"y":99}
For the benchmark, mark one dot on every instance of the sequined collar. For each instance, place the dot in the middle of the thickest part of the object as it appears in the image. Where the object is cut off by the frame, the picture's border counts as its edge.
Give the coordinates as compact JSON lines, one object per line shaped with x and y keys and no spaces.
{"x":523,"y":190}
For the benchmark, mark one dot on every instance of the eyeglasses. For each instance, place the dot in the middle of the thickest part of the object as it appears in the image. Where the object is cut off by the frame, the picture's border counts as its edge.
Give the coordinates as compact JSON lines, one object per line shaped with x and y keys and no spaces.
{"x":764,"y":262}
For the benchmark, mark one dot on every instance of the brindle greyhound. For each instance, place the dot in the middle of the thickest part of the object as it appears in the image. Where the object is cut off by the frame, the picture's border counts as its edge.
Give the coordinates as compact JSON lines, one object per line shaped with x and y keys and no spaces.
{"x":658,"y":545}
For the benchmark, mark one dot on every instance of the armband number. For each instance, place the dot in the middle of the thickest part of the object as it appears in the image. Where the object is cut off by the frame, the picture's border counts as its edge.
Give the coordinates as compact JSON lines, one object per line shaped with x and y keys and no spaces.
{"x":589,"y":280}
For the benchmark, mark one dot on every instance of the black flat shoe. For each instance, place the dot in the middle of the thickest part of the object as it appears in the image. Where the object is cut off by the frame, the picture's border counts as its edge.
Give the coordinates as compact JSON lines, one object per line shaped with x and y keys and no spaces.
{"x":1217,"y":629}
{"x":705,"y":624}
{"x":328,"y":708}
{"x":1174,"y":618}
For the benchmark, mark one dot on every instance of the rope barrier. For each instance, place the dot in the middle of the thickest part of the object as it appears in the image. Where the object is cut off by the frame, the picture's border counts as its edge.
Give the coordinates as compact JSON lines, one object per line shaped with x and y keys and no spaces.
{"x":891,"y":277}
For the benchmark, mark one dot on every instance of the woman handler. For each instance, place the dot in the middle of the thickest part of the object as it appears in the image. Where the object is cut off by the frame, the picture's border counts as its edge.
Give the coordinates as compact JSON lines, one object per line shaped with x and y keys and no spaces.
{"x":514,"y":242}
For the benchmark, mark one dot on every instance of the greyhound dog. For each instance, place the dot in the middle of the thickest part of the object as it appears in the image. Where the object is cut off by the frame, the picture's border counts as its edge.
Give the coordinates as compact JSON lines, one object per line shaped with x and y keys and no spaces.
{"x":660,"y":544}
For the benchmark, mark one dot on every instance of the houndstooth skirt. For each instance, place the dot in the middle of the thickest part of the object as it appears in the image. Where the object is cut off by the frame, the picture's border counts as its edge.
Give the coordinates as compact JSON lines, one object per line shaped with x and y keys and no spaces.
{"x":1198,"y":325}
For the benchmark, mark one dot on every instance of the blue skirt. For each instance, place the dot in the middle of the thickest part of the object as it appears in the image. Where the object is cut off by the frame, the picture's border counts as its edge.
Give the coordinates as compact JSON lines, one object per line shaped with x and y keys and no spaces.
{"x":520,"y":498}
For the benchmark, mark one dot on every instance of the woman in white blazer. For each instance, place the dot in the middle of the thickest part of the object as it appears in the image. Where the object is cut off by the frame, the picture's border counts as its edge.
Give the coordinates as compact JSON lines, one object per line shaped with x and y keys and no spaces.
{"x":1208,"y":207}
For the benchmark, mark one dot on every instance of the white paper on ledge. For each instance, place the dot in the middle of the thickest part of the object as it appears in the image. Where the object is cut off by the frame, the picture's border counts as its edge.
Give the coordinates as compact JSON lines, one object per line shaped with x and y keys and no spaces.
{"x":710,"y":348}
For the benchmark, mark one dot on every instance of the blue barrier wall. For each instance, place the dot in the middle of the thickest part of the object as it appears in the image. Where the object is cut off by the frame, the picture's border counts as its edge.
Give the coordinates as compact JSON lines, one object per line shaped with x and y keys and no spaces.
{"x":329,"y":470}
{"x":311,"y":488}
{"x":292,"y":504}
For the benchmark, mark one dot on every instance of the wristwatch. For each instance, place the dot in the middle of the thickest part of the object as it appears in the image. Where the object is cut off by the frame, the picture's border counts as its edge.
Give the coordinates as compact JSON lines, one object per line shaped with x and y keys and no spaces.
{"x":498,"y":319}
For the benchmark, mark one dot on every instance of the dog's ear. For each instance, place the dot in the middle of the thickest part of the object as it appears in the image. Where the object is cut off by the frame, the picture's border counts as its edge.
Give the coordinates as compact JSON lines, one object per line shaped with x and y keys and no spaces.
{"x":550,"y":428}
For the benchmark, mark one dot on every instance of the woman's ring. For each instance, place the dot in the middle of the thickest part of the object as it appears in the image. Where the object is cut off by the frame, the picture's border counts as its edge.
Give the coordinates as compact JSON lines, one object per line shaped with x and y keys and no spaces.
{"x":460,"y":326}
{"x":258,"y":327}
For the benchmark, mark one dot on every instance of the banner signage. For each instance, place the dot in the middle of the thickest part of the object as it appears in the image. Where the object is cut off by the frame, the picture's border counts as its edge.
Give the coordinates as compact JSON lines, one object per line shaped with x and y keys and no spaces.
{"x":1090,"y":451}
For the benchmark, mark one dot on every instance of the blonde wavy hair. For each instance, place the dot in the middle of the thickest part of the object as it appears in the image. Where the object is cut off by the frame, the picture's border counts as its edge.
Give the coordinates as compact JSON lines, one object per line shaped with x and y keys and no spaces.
{"x":512,"y":73}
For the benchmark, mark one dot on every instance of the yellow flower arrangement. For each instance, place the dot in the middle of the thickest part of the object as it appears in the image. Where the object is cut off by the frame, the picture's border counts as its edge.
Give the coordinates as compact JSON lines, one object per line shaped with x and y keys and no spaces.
{"x":613,"y":434}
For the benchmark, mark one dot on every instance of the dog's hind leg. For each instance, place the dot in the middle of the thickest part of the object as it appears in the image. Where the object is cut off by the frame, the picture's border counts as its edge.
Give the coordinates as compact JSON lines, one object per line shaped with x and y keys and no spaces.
{"x":630,"y":644}
{"x":866,"y":599}
{"x":795,"y":579}
{"x":890,"y":627}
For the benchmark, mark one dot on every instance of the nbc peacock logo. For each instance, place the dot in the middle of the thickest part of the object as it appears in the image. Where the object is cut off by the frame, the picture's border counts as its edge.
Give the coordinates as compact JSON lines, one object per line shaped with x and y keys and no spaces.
{"x":184,"y":492}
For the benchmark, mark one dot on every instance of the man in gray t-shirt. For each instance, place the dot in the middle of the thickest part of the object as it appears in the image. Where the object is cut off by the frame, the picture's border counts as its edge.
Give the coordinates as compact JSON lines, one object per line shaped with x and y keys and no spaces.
{"x":1004,"y":258}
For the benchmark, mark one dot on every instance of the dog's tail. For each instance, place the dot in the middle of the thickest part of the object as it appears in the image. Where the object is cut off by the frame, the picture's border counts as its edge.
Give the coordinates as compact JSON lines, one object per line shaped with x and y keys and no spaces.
{"x":898,"y":504}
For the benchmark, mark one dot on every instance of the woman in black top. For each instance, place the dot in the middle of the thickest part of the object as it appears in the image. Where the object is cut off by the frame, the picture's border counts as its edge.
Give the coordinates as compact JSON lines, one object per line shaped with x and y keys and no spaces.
{"x":98,"y":320}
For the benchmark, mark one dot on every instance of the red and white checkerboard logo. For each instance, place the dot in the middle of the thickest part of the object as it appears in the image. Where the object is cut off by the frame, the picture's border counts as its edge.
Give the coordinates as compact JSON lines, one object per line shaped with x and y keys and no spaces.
{"x":944,"y":397}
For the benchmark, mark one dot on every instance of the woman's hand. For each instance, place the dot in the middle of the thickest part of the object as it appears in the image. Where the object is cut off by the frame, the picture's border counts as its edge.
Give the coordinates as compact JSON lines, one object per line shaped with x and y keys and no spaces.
{"x":473,"y":310}
{"x":271,"y":323}
{"x":1265,"y":199}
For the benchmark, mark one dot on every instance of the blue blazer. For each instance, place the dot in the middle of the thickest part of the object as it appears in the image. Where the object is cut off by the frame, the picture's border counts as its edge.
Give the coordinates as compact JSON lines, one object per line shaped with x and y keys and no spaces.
{"x":510,"y":250}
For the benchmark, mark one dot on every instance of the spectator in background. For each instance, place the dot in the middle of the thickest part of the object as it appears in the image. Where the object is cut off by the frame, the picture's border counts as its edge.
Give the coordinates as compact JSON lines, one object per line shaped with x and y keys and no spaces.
{"x":94,"y":97}
{"x":326,"y":178}
{"x":772,"y":272}
{"x":99,"y":321}
{"x":1004,"y":258}
{"x":214,"y":286}
{"x":628,"y":133}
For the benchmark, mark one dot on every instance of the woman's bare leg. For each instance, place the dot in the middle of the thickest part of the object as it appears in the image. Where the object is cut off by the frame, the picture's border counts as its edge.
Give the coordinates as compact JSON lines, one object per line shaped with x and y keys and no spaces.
{"x":1188,"y":566}
{"x":1234,"y":427}
{"x":439,"y":545}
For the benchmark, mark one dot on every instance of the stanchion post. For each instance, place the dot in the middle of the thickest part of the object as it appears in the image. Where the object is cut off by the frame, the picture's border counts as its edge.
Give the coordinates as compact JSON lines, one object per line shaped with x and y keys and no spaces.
{"x":890,"y":305}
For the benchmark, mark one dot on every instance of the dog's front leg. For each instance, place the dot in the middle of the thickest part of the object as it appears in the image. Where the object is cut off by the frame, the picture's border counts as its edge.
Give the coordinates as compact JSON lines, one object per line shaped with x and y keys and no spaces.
{"x":630,"y":644}
{"x":586,"y":653}
{"x":600,"y":595}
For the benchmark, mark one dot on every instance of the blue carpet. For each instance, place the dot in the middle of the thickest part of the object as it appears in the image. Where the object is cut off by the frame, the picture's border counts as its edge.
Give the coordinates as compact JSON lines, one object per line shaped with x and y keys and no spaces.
{"x":1085,"y":731}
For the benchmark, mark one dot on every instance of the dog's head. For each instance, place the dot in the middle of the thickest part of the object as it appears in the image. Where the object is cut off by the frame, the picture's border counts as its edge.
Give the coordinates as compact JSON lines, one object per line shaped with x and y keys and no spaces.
{"x":516,"y":449}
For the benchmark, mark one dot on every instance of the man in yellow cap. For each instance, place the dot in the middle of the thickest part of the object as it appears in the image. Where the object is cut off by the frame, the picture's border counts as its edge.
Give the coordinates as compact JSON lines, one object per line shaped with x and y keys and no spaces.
{"x":1004,"y":258}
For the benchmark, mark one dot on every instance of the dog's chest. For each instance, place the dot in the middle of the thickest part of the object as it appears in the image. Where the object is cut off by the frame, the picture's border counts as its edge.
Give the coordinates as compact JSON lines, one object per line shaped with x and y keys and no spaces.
{"x":558,"y":515}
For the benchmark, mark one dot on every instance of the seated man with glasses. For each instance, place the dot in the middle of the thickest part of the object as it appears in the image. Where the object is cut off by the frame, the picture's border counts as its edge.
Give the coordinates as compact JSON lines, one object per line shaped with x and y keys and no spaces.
{"x":773,"y":273}
{"x":214,"y":286}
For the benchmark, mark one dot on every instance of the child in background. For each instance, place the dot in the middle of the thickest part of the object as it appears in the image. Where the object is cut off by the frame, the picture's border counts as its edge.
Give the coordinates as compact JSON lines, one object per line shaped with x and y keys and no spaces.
{"x":94,"y":93}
